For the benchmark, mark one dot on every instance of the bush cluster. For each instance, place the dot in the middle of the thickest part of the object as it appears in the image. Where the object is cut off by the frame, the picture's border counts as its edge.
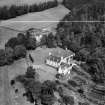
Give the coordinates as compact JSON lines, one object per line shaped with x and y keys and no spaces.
{"x":16,"y":48}
{"x":13,"y":11}
{"x":35,"y":90}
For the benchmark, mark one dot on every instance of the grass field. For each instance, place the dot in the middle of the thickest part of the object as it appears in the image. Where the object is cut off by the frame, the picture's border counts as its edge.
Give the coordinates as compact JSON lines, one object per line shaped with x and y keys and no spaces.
{"x":47,"y":18}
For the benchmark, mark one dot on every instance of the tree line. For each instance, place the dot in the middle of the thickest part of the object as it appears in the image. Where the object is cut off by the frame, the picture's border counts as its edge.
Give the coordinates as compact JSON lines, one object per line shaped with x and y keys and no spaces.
{"x":86,"y":39}
{"x":16,"y":48}
{"x":14,"y":11}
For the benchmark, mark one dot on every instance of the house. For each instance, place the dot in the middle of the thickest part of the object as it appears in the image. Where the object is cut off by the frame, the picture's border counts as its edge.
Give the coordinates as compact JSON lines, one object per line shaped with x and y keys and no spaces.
{"x":65,"y":68}
{"x":37,"y":33}
{"x":62,"y":60}
{"x":55,"y":59}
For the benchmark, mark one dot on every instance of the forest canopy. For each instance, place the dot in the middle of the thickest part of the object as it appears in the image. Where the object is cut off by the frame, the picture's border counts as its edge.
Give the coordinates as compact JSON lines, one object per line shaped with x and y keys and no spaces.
{"x":86,"y":39}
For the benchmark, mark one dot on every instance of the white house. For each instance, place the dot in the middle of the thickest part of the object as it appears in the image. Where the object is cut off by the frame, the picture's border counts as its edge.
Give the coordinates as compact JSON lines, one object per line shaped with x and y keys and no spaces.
{"x":62,"y":61}
{"x":53,"y":61}
{"x":65,"y":68}
{"x":56,"y":59}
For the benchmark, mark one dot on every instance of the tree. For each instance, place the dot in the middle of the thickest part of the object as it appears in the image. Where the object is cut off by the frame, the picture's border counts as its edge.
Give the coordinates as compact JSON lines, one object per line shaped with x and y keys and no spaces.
{"x":68,"y":100}
{"x":51,"y":41}
{"x":47,"y":94}
{"x":50,"y":84}
{"x":21,"y":39}
{"x":44,"y":40}
{"x":12,"y":42}
{"x":72,"y":83}
{"x":19,"y":52}
{"x":30,"y":73}
{"x":32,"y":87}
{"x":30,"y":44}
{"x":35,"y":88}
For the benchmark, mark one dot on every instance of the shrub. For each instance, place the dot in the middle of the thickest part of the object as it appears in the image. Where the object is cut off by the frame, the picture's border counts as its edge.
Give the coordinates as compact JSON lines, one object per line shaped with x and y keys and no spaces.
{"x":21,"y":39}
{"x":50,"y":84}
{"x":83,"y":103}
{"x":51,"y":41}
{"x":30,"y":44}
{"x":72,"y":83}
{"x":19,"y":52}
{"x":12,"y":42}
{"x":32,"y":87}
{"x":68,"y":100}
{"x":47,"y":93}
{"x":30,"y":73}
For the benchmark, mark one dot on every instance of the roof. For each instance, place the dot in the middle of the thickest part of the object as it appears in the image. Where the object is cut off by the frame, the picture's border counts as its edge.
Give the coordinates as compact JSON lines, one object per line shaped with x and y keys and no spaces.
{"x":38,"y":31}
{"x":64,"y":65}
{"x":59,"y":52}
{"x":54,"y":58}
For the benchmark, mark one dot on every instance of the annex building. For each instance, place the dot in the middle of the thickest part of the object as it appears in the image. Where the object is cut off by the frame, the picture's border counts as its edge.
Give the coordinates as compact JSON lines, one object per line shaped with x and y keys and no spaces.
{"x":62,"y":60}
